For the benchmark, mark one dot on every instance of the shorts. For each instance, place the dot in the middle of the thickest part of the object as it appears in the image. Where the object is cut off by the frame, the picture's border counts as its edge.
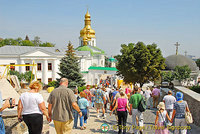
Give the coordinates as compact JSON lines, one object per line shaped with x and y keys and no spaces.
{"x":98,"y":105}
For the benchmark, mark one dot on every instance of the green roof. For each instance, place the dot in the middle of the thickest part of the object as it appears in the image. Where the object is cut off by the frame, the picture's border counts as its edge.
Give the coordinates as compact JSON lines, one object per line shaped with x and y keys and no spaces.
{"x":103,"y":68}
{"x":93,"y":50}
{"x":84,"y":72}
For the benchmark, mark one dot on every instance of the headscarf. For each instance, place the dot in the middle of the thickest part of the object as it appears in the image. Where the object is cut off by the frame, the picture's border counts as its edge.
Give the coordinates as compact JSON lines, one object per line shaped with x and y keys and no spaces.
{"x":179,"y":96}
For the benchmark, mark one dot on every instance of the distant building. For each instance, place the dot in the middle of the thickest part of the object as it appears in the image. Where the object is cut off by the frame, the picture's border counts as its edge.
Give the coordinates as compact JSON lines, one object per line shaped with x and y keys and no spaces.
{"x":91,"y":58}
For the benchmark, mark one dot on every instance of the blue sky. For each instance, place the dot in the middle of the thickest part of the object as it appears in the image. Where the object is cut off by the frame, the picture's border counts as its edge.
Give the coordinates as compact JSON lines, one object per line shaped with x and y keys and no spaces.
{"x":164,"y":22}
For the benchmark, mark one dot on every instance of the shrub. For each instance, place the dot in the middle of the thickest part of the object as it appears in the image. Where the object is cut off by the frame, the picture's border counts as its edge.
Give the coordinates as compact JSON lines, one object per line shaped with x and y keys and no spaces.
{"x":196,"y":89}
{"x":53,"y":84}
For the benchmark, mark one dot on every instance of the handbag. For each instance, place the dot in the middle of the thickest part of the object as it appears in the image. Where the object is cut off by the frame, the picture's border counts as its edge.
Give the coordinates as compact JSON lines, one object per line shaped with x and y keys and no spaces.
{"x":188,"y":117}
{"x":164,"y":122}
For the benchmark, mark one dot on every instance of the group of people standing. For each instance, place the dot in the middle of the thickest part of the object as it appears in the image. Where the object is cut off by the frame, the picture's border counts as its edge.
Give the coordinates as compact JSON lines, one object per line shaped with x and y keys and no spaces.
{"x":66,"y":106}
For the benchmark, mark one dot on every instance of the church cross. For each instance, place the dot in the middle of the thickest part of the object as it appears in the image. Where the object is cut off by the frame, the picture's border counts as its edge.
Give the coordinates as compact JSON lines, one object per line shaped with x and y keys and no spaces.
{"x":177,"y":45}
{"x":185,"y":53}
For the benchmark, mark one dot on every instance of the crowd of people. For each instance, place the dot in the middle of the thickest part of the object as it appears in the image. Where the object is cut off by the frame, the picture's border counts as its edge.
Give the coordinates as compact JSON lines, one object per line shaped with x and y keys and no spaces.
{"x":66,"y":107}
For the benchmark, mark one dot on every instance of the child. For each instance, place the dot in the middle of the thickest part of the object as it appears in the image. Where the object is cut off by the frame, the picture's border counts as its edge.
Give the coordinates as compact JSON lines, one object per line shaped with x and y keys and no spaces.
{"x":83,"y":104}
{"x":161,"y":115}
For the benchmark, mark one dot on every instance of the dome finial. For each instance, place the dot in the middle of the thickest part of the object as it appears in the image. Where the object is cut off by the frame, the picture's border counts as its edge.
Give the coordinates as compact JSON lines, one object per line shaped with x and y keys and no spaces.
{"x":177,"y":45}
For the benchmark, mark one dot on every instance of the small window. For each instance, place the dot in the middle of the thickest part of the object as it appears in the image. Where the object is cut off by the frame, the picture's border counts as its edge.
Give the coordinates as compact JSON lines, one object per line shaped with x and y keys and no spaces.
{"x":49,"y":80}
{"x":12,"y":67}
{"x":27,"y":67}
{"x":39,"y":80}
{"x":49,"y":66}
{"x":39,"y":66}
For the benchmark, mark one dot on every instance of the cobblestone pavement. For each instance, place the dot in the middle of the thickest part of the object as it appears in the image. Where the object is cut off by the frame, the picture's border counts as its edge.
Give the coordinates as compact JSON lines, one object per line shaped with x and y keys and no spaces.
{"x":94,"y":124}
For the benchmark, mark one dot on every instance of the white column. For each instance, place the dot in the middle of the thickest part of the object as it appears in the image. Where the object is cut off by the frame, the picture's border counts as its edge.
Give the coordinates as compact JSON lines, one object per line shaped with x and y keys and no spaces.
{"x":22,"y":68}
{"x":55,"y":67}
{"x":44,"y":72}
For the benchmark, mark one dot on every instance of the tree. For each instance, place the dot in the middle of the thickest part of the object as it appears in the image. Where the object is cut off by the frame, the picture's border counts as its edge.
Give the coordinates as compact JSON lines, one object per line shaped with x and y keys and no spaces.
{"x":167,"y":76}
{"x":182,"y":73}
{"x":139,"y":63}
{"x":28,"y":75}
{"x":69,"y":68}
{"x":37,"y":41}
{"x":198,"y":63}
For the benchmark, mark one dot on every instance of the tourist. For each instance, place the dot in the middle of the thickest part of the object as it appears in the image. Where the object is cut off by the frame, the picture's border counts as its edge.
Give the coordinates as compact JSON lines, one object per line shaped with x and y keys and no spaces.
{"x":99,"y":101}
{"x":2,"y":107}
{"x":122,"y":107}
{"x":147,"y":95}
{"x":156,"y":96}
{"x":180,"y":107}
{"x":75,"y":113}
{"x":83,"y":105}
{"x":106,"y":95}
{"x":169,"y":101}
{"x":161,"y":116}
{"x":134,"y":101}
{"x":31,"y":107}
{"x":92,"y":90}
{"x":61,"y":100}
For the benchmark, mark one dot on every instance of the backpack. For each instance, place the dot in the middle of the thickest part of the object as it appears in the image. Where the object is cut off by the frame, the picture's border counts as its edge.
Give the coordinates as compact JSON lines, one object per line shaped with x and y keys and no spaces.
{"x":142,"y":105}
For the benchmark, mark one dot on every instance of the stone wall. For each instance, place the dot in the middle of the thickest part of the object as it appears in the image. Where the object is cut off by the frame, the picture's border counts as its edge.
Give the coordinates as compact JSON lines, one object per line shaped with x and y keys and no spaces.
{"x":193,"y":100}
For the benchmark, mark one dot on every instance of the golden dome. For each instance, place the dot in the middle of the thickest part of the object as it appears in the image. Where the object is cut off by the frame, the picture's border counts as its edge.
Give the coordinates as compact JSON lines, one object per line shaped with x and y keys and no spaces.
{"x":87,"y":32}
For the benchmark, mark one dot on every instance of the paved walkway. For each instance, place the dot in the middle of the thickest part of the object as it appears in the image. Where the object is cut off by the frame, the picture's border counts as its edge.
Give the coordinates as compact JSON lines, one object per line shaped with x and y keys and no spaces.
{"x":95,"y":123}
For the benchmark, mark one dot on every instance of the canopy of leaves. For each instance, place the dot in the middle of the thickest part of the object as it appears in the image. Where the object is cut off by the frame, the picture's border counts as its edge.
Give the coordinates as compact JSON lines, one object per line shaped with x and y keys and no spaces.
{"x":23,"y":76}
{"x":182,"y":72}
{"x":139,"y":63}
{"x":20,"y":42}
{"x":198,"y":63}
{"x":167,"y":76}
{"x":69,"y":68}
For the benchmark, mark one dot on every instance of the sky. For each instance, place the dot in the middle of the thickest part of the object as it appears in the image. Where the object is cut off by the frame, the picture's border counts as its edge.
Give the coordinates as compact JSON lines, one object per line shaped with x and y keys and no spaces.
{"x":115,"y":22}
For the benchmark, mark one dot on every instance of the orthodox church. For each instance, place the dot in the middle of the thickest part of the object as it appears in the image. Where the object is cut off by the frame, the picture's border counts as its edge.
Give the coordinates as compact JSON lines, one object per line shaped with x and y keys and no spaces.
{"x":47,"y":59}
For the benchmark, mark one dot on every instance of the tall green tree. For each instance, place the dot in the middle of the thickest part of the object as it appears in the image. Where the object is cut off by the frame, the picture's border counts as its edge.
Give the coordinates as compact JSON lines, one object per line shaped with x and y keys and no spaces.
{"x":36,"y":41}
{"x":139,"y":63}
{"x":69,"y":68}
{"x":182,"y":73}
{"x":198,"y":63}
{"x":167,"y":76}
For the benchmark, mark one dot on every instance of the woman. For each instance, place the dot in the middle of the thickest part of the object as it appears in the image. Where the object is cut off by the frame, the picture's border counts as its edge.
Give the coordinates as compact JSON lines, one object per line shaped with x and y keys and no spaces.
{"x":147,"y":95}
{"x":31,"y":106}
{"x":122,"y":107}
{"x":161,"y":117}
{"x":180,"y":107}
{"x":83,"y":105}
{"x":75,"y":113}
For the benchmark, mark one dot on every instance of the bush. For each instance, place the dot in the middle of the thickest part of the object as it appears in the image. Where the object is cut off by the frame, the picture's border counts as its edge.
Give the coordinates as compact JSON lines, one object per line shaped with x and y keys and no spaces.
{"x":53,"y":84}
{"x":80,"y":89}
{"x":196,"y":89}
{"x":20,"y":76}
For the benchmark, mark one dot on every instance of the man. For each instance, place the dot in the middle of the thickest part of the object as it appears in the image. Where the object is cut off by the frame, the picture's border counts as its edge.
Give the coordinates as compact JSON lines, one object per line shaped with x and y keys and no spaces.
{"x":2,"y":107}
{"x":169,"y":101}
{"x":134,"y":102}
{"x":92,"y":90}
{"x":61,"y":101}
{"x":156,"y":96}
{"x":99,"y":101}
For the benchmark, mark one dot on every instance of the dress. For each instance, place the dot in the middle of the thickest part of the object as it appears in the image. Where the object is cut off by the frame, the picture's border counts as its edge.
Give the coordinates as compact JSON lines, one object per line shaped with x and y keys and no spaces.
{"x":160,"y":127}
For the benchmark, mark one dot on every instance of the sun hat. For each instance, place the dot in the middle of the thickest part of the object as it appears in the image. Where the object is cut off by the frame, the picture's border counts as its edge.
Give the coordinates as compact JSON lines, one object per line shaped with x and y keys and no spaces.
{"x":161,"y":105}
{"x":179,"y":96}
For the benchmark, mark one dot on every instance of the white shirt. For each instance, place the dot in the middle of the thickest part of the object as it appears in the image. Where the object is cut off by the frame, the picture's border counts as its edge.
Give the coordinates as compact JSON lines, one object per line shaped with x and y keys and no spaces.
{"x":162,"y":116}
{"x":108,"y":90}
{"x":30,"y":103}
{"x":147,"y":93}
{"x":169,"y":101}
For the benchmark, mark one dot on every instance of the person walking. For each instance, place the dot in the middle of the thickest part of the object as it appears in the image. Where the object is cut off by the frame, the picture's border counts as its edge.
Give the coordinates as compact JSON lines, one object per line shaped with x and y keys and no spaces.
{"x":161,"y":116}
{"x":75,"y":113}
{"x":106,"y":95}
{"x":180,"y":107}
{"x":61,"y":100}
{"x":83,"y":104}
{"x":134,"y":102}
{"x":31,"y":107}
{"x":122,"y":107}
{"x":99,"y":101}
{"x":169,"y":101}
{"x":147,"y":95}
{"x":3,"y":106}
{"x":92,"y":90}
{"x":156,"y":96}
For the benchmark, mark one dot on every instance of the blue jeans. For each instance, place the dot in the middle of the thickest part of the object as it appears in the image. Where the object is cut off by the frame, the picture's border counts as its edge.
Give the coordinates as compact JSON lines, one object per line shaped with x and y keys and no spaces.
{"x":2,"y":127}
{"x":92,"y":100}
{"x":84,"y":116}
{"x":75,"y":115}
